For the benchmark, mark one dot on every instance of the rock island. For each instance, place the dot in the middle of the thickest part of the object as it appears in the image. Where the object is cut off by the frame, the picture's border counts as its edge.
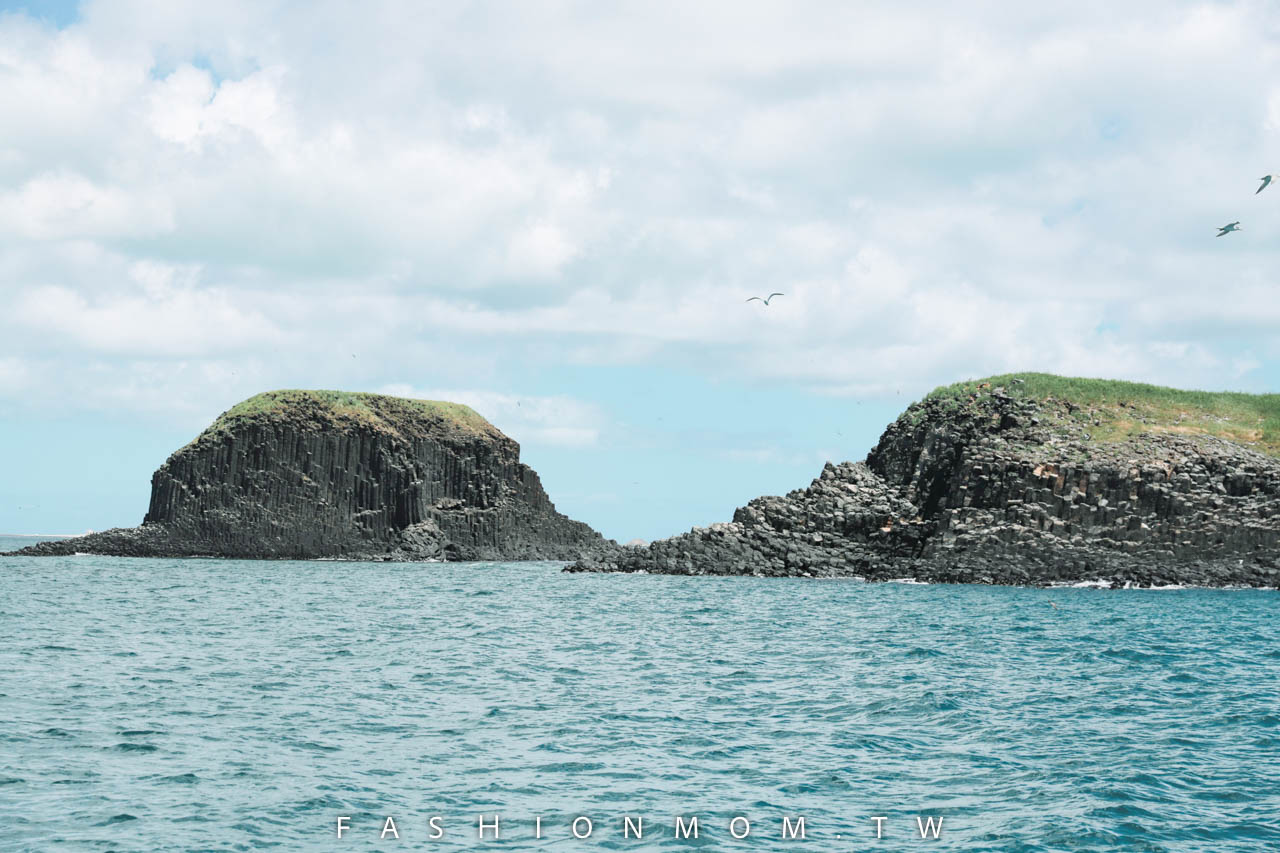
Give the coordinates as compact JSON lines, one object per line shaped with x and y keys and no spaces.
{"x":313,"y":474}
{"x":1022,"y":479}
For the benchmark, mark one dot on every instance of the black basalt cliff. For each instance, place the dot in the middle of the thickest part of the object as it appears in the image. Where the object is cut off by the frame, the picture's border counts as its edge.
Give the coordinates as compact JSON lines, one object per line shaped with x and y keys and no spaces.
{"x":314,"y":474}
{"x":1005,"y":486}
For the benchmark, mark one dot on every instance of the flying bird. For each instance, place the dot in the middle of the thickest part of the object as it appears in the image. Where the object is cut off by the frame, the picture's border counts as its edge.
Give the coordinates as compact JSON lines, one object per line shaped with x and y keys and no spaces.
{"x":1229,"y":227}
{"x":766,"y":299}
{"x":1266,"y":181}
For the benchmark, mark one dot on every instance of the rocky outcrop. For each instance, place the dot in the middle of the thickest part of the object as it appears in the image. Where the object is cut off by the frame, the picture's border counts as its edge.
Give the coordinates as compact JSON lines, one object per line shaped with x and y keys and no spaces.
{"x":351,"y":476}
{"x":993,"y":488}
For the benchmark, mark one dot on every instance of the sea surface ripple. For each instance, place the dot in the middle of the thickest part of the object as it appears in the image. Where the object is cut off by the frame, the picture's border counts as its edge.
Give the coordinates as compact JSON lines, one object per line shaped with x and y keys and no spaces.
{"x":242,"y":705}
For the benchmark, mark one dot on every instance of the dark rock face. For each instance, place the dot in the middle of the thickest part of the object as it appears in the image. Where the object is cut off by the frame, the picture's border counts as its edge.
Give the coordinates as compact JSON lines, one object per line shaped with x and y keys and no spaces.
{"x":302,"y":482}
{"x":993,"y":489}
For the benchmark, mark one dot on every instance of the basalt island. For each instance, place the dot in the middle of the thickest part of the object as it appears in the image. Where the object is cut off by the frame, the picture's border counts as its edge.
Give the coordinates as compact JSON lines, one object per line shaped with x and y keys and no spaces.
{"x":1027,"y":479}
{"x":340,"y":475}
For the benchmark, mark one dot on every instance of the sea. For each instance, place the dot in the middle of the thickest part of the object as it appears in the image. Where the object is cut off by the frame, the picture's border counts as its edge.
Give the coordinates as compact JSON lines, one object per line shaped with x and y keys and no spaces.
{"x":216,"y":705}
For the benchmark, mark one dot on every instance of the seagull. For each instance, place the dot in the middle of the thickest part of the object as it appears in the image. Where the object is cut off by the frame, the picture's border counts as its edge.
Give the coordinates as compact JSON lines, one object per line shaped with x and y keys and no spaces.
{"x":766,"y":299}
{"x":1266,"y":181}
{"x":1229,"y":227}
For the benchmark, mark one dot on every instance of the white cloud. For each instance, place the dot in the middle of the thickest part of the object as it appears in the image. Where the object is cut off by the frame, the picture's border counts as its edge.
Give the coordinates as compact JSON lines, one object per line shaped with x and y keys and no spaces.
{"x":557,"y":420}
{"x":178,"y":105}
{"x":213,"y":196}
{"x":163,"y":312}
{"x":537,"y":250}
{"x":186,"y":108}
{"x":67,"y":206}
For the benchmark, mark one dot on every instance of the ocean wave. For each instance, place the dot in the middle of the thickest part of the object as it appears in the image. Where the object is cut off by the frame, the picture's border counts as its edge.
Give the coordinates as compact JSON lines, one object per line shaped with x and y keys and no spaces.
{"x":562,"y":695}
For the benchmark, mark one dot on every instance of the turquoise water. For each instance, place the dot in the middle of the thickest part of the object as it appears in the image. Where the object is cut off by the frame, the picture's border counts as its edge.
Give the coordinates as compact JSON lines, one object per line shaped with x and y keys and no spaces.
{"x":220,"y":705}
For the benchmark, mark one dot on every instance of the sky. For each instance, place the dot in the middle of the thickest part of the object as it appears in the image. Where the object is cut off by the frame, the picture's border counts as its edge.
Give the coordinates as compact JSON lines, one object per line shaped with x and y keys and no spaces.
{"x":554,"y":211}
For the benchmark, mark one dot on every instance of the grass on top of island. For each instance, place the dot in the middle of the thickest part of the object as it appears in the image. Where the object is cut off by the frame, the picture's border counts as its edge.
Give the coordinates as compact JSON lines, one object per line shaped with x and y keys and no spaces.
{"x":323,"y":408}
{"x":1115,"y":410}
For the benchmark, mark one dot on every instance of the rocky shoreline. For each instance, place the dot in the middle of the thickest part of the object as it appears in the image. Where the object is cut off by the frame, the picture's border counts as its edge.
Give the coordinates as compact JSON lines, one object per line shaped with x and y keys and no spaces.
{"x":995,"y":488}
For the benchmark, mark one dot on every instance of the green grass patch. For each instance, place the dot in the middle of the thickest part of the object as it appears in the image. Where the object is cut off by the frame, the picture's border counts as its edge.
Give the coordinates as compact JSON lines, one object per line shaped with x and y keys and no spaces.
{"x":1115,"y":410}
{"x":320,"y":409}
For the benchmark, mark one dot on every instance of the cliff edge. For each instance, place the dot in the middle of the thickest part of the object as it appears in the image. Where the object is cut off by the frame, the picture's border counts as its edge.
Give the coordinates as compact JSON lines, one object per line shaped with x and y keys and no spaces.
{"x":1023,"y":479}
{"x":309,"y":474}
